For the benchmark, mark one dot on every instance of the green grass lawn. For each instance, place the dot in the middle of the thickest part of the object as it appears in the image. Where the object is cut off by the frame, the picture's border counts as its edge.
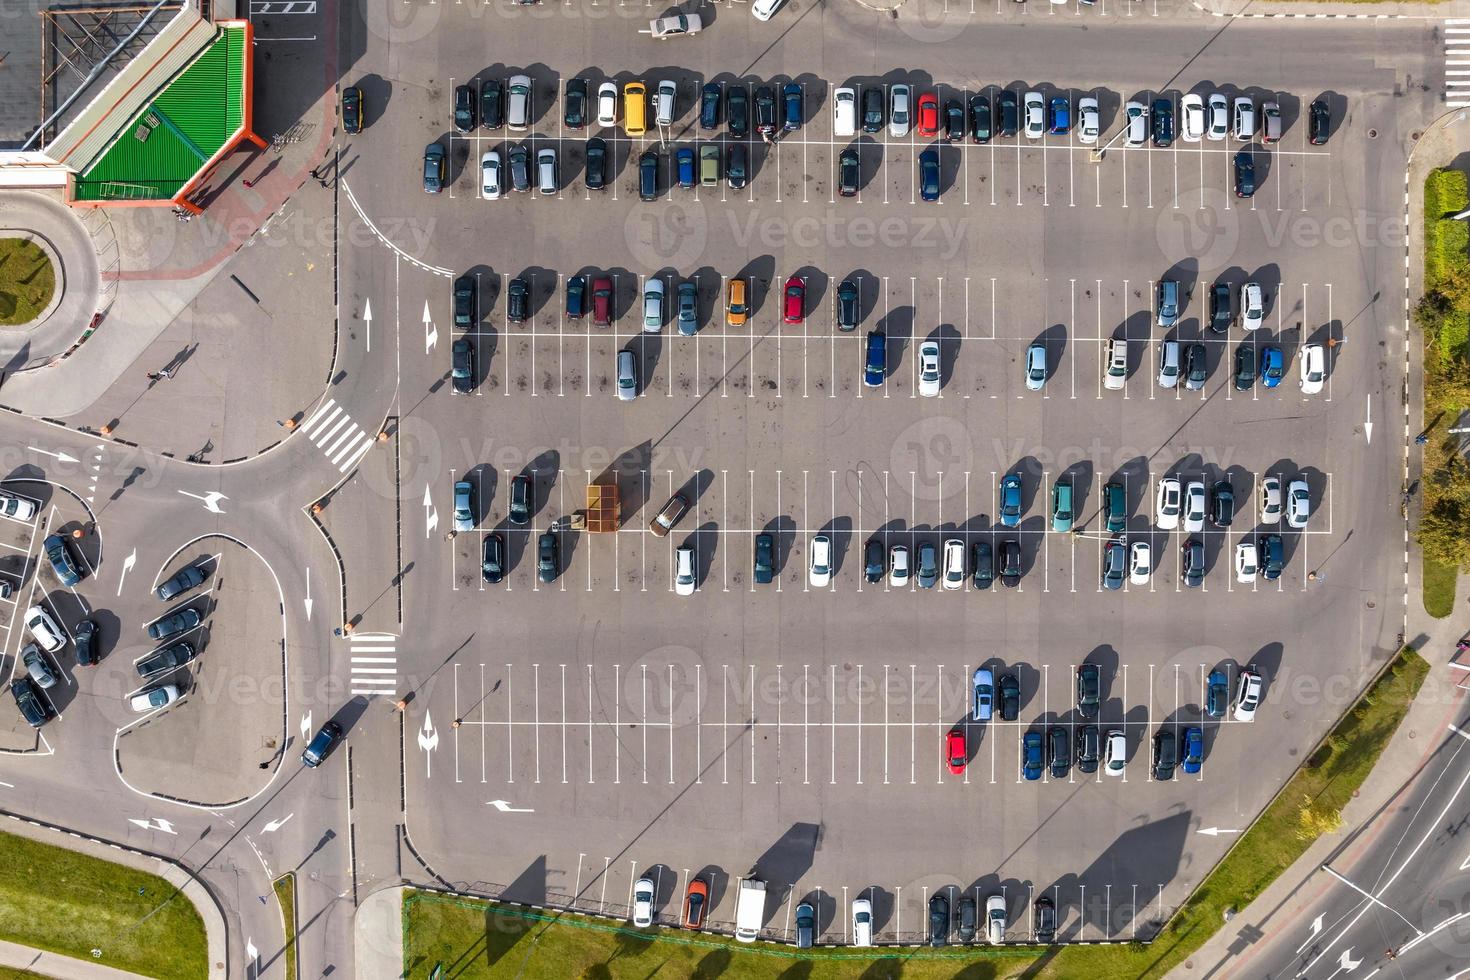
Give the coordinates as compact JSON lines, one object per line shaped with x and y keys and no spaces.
{"x":474,"y":939}
{"x":1439,"y":588}
{"x":27,"y":281}
{"x":66,"y":902}
{"x":285,"y":887}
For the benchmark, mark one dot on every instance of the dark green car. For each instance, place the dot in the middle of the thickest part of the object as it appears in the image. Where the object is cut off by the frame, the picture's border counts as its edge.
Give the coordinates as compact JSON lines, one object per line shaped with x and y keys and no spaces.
{"x":1061,"y":506}
{"x":1115,"y":507}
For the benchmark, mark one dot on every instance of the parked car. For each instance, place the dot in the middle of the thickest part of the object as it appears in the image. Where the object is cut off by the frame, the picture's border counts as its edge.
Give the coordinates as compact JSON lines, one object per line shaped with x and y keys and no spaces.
{"x":434,"y":168}
{"x":982,"y":564}
{"x":862,"y":922}
{"x":520,"y":498}
{"x":1245,"y":368}
{"x":492,"y":559}
{"x":1193,"y":756}
{"x":1114,"y":565}
{"x":1140,"y":562}
{"x":58,"y":555}
{"x":1271,"y":501}
{"x":174,"y":623}
{"x":34,"y":707}
{"x":38,"y":666}
{"x":1272,"y":556}
{"x":874,"y":566}
{"x":44,"y":630}
{"x":765,"y":559}
{"x":462,"y":366}
{"x":1115,"y":507}
{"x":955,"y":753}
{"x":1319,"y":122}
{"x":929,"y":175}
{"x":185,"y":579}
{"x":643,"y":894}
{"x":849,"y":172}
{"x":684,"y":570}
{"x":1252,"y":306}
{"x":1036,"y":367}
{"x":1247,"y":695}
{"x":806,"y":925}
{"x":17,"y":508}
{"x":1192,"y":561}
{"x":929,"y":375}
{"x":928,"y":570}
{"x":819,"y":571}
{"x":1010,"y":500}
{"x":1222,"y":504}
{"x":1010,"y":697}
{"x":1312,"y":365}
{"x":966,"y":917}
{"x":898,"y":566}
{"x":165,"y":660}
{"x":548,"y":557}
{"x":1058,"y":751}
{"x":86,"y":641}
{"x":938,"y":919}
{"x":793,"y":309}
{"x":1162,"y":118}
{"x":847,"y":305}
{"x":1165,"y":754}
{"x":1115,"y":752}
{"x":982,"y":694}
{"x":1087,"y":749}
{"x":464,"y":109}
{"x":670,"y":514}
{"x":1217,"y":694}
{"x":153,"y":698}
{"x":1043,"y":920}
{"x":1061,"y":505}
{"x":350,"y":110}
{"x":875,"y":364}
{"x":464,"y":506}
{"x":1089,"y":689}
{"x":1010,"y":562}
{"x":1298,"y":504}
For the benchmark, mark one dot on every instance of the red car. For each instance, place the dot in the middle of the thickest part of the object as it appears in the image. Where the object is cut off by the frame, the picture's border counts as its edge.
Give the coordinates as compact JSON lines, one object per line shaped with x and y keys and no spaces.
{"x":696,"y":900}
{"x":602,"y":301}
{"x":928,"y":114}
{"x":955,"y":752}
{"x":795,"y":308}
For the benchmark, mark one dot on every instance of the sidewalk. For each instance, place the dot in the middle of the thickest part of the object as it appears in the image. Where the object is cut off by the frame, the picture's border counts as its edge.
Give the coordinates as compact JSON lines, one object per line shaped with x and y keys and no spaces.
{"x":1307,"y":8}
{"x":378,"y":936}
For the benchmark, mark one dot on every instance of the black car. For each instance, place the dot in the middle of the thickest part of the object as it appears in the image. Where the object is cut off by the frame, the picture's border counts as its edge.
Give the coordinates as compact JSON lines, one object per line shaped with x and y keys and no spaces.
{"x":596,"y":172}
{"x":464,"y":302}
{"x":84,"y":636}
{"x":1165,"y":754}
{"x":765,"y":558}
{"x":1272,"y":558}
{"x":1245,"y":174}
{"x":954,"y":121}
{"x":435,"y":169}
{"x":938,"y":919}
{"x":1217,"y":694}
{"x":982,"y":560}
{"x":351,"y":110}
{"x":648,"y":176}
{"x":874,"y":564}
{"x":1010,"y":697}
{"x":462,"y":366}
{"x":1007,"y":113}
{"x":1089,"y":690}
{"x":1043,"y":920}
{"x":547,"y":558}
{"x":520,"y":498}
{"x":848,"y":172}
{"x":765,"y":110}
{"x":576,"y":297}
{"x":1245,"y":368}
{"x":709,"y":106}
{"x":187,"y":578}
{"x":166,"y":659}
{"x":517,"y":300}
{"x":735,"y":165}
{"x":929,"y":174}
{"x":1010,"y":562}
{"x":847,"y":305}
{"x":174,"y":623}
{"x":520,"y":168}
{"x":1319,"y":121}
{"x":34,"y":708}
{"x":966,"y":919}
{"x":1222,"y":504}
{"x":1196,"y":367}
{"x":1088,"y":747}
{"x":574,"y":105}
{"x":979,"y":119}
{"x":791,"y":104}
{"x":1114,"y":565}
{"x":1192,"y":554}
{"x":806,"y":925}
{"x":737,"y":111}
{"x":872,"y":109}
{"x":321,"y":744}
{"x":1220,"y":314}
{"x":58,"y":555}
{"x":464,"y":108}
{"x":1058,"y":751}
{"x":927,"y":571}
{"x":1163,"y":122}
{"x":492,"y":104}
{"x":492,"y":559}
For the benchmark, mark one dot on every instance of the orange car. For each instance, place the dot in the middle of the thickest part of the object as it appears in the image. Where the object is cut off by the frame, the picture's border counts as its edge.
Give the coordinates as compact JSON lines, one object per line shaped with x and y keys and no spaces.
{"x":736,"y":306}
{"x":695,"y":901}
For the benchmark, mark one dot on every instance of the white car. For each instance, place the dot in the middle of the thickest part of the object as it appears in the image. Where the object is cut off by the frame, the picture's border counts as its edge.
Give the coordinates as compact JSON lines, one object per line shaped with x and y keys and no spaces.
{"x":1252,"y":306}
{"x":898,"y":566}
{"x":1245,"y":118}
{"x":1247,"y":696}
{"x":643,"y":903}
{"x":954,"y":564}
{"x":154,"y":697}
{"x":1036,"y":367}
{"x":1136,"y":114}
{"x":1167,"y":504}
{"x":819,"y":572}
{"x":1089,"y":124}
{"x":764,"y":10}
{"x":675,"y":25}
{"x":1034,"y":113}
{"x":518,"y":102}
{"x":995,"y":919}
{"x":1115,"y":752}
{"x":1194,"y":507}
{"x":1115,"y":371}
{"x":663,"y":103}
{"x":929,"y":368}
{"x":1140,"y":563}
{"x":1298,"y":504}
{"x":1219,"y":117}
{"x":607,"y":104}
{"x":1192,"y":118}
{"x":684,"y":570}
{"x":1246,"y":562}
{"x":653,"y":305}
{"x":17,"y":508}
{"x":898,"y":111}
{"x":862,"y":922}
{"x":44,"y":629}
{"x":1271,"y":500}
{"x":844,"y":111}
{"x":1313,"y":363}
{"x":490,"y":183}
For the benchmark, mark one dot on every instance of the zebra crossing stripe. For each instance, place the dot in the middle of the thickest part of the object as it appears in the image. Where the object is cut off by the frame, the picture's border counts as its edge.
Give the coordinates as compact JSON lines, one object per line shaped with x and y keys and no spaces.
{"x":374,"y":674}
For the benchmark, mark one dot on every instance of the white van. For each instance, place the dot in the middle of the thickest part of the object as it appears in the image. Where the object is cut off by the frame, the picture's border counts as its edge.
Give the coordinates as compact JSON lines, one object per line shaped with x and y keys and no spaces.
{"x":750,"y":910}
{"x":663,"y":103}
{"x":844,"y":112}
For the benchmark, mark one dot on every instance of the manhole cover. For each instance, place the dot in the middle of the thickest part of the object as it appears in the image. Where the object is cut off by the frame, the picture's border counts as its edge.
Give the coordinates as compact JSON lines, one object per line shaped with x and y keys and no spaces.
{"x":1372,"y":134}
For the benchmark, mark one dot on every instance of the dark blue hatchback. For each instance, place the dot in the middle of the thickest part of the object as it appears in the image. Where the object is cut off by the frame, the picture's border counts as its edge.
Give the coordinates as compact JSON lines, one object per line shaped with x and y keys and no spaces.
{"x":791,"y":100}
{"x":876,"y":364}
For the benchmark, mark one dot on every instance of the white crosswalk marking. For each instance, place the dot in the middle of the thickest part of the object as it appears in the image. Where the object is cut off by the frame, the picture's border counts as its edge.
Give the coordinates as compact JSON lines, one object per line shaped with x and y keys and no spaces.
{"x":1457,"y":62}
{"x":374,"y":663}
{"x":339,"y":438}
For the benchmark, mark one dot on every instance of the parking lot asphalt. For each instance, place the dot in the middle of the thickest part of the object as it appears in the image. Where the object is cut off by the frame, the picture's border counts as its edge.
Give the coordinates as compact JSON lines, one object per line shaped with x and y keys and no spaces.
{"x":609,"y":728}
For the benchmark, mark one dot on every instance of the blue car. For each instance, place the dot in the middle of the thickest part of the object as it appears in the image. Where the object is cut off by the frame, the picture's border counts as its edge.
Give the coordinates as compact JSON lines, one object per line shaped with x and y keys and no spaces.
{"x":685,"y":159}
{"x":791,"y":100}
{"x":929,"y":174}
{"x":1010,"y":500}
{"x":876,"y":364}
{"x":1058,"y":116}
{"x":1194,"y":750}
{"x":59,"y":555}
{"x":1217,"y":694}
{"x":1031,"y":756}
{"x":1273,"y":366}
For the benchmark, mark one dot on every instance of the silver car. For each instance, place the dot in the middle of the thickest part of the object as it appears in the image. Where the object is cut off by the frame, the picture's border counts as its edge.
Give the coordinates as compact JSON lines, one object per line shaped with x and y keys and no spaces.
{"x":546,"y":170}
{"x":1298,"y":504}
{"x":1219,"y":117}
{"x":898,"y":111}
{"x":1034,"y":113}
{"x":627,"y":376}
{"x":1036,"y":367}
{"x":518,"y":102}
{"x":653,"y":305}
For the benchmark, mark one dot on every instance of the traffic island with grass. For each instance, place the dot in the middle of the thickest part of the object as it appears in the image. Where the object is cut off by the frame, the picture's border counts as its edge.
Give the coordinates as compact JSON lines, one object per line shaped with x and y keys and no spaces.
{"x":469,"y":939}
{"x":285,"y":887}
{"x":27,"y":281}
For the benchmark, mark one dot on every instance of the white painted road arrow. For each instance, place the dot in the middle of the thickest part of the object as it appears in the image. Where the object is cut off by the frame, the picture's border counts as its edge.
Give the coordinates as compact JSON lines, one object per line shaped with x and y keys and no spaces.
{"x":1368,"y":421}
{"x":59,"y":457}
{"x":308,"y":593}
{"x":157,"y":823}
{"x":1316,"y":928}
{"x":1215,"y":831}
{"x":431,"y":516}
{"x":306,"y":724}
{"x":367,"y":315}
{"x":431,"y":335}
{"x":276,"y":825}
{"x":128,"y":563}
{"x":211,"y":500}
{"x":428,"y":741}
{"x":504,"y":807}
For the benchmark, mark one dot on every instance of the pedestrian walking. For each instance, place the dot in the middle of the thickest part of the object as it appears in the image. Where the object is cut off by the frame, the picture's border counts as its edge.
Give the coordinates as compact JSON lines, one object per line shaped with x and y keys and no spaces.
{"x":166,"y":373}
{"x":1421,"y":439}
{"x":325,"y":185}
{"x":316,"y":173}
{"x":248,"y":182}
{"x":154,"y":375}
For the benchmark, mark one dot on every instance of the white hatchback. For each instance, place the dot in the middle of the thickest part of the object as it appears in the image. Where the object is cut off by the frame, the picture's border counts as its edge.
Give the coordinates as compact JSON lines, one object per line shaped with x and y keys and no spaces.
{"x":1219,"y":117}
{"x":1194,"y":507}
{"x":1136,"y":114}
{"x":490,"y":184}
{"x":954,"y":564}
{"x":1089,"y":125}
{"x":862,"y":922}
{"x":1246,"y":562}
{"x":764,"y":10}
{"x":1192,"y":116}
{"x":1247,"y":696}
{"x":1313,"y":363}
{"x":643,"y":903}
{"x":1140,"y":563}
{"x":898,"y":566}
{"x":844,"y":111}
{"x":1271,"y":500}
{"x":1245,"y":118}
{"x":1034,"y":107}
{"x":607,"y":104}
{"x":684,"y":570}
{"x":819,"y":571}
{"x":1167,"y":504}
{"x":1115,"y":752}
{"x":1252,"y":306}
{"x":50,"y":636}
{"x":1298,"y":504}
{"x":929,"y":368}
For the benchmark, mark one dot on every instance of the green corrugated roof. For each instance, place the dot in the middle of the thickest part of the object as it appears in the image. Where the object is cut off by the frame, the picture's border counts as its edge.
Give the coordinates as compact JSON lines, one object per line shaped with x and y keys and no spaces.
{"x":189,"y":121}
